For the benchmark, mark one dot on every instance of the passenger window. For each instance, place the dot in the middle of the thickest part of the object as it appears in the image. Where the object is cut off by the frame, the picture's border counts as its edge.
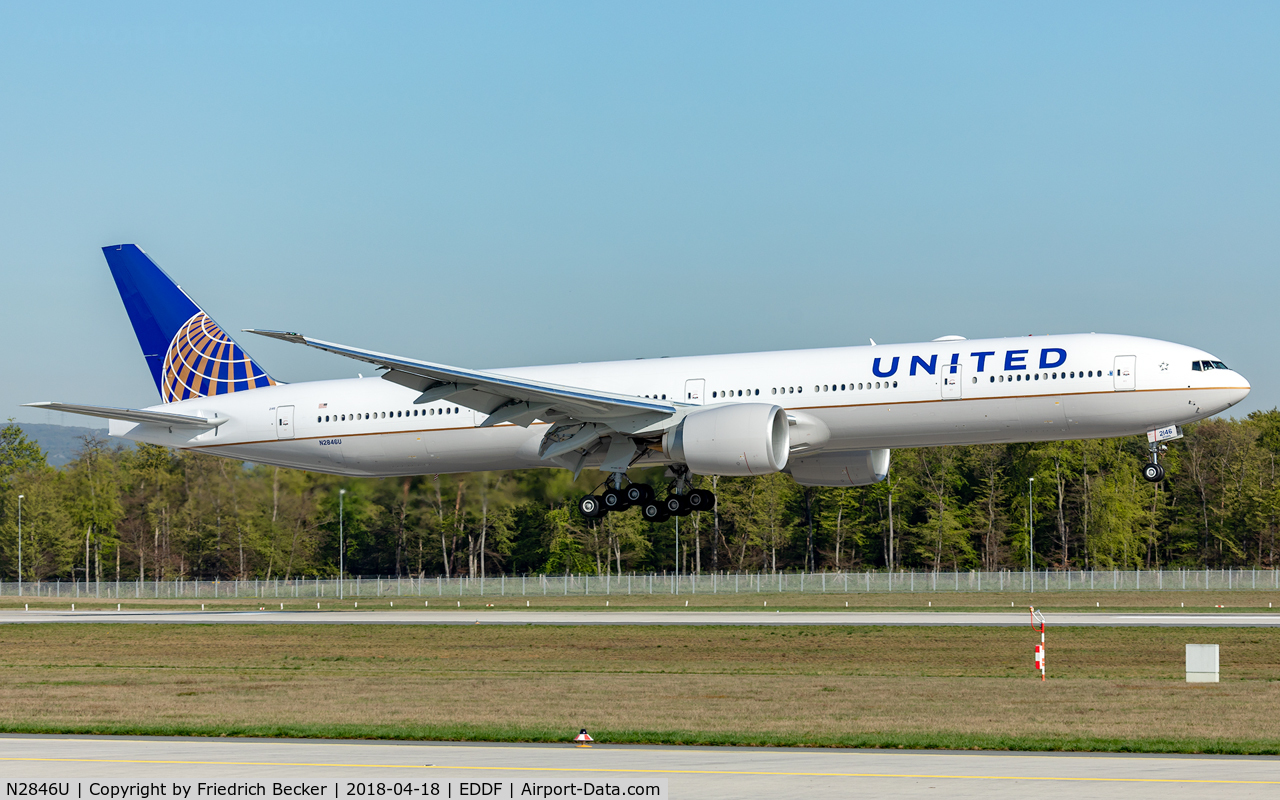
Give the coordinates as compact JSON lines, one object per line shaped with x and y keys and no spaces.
{"x":993,"y":378}
{"x":975,"y":380}
{"x":895,"y":384}
{"x":757,"y":392}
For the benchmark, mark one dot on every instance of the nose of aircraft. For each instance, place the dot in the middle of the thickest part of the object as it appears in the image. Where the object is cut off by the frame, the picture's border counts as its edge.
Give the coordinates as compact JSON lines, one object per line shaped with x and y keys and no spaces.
{"x":1241,"y":392}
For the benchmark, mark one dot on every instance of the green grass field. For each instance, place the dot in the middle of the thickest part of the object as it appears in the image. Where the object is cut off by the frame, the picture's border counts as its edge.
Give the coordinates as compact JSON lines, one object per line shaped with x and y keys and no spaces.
{"x":1109,"y":688}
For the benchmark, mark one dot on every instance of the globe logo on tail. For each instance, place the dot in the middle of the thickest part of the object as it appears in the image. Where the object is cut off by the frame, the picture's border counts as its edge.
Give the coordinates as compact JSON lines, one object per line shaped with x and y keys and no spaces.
{"x":202,"y":361}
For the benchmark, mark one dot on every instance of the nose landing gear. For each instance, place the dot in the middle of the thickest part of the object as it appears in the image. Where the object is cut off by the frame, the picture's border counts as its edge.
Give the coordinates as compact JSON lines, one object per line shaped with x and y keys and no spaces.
{"x":1153,"y":472}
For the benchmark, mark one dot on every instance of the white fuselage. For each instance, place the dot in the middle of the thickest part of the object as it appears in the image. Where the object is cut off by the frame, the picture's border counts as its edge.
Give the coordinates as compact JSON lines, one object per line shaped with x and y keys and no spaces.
{"x":1039,"y":388}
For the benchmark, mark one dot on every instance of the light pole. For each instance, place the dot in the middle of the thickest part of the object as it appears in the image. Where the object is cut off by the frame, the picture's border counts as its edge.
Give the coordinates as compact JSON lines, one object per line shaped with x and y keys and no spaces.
{"x":341,"y":554}
{"x":1031,"y":536}
{"x":677,"y":555}
{"x":20,"y":545}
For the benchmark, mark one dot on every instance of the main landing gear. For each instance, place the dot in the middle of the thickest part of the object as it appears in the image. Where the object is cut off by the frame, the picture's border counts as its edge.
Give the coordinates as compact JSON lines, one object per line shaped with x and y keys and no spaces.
{"x":680,"y":501}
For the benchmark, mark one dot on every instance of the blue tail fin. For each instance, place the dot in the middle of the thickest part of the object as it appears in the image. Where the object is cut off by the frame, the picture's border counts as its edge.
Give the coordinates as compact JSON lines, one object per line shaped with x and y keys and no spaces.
{"x":189,"y":355}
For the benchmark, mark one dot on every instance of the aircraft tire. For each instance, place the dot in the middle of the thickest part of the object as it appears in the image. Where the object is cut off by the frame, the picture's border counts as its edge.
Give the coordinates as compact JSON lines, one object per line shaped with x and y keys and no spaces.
{"x":591,"y":507}
{"x":638,"y":493}
{"x":614,"y":500}
{"x":1153,"y":473}
{"x":652,"y":511}
{"x":702,"y":500}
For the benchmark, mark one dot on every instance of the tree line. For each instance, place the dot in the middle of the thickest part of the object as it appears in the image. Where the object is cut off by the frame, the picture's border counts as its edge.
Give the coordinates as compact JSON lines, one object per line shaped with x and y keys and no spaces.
{"x":116,"y":513}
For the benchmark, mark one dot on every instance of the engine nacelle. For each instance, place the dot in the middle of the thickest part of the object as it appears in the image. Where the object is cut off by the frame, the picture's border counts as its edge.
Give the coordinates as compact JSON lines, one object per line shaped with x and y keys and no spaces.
{"x":850,"y":468}
{"x":740,"y":439}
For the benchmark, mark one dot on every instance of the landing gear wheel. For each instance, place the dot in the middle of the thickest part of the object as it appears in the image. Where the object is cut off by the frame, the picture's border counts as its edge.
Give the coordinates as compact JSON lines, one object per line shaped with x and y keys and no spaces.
{"x":677,"y":505}
{"x":590,"y":507}
{"x":652,"y":511}
{"x":638,"y":493}
{"x":1153,"y":473}
{"x":702,"y":500}
{"x":614,"y":500}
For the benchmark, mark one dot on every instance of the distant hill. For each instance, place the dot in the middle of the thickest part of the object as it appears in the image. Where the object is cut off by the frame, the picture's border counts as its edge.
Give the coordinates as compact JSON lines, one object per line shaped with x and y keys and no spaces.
{"x":60,"y":442}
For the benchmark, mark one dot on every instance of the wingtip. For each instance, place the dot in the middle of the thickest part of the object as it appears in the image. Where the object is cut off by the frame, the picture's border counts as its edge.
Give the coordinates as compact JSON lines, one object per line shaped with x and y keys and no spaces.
{"x":287,"y":336}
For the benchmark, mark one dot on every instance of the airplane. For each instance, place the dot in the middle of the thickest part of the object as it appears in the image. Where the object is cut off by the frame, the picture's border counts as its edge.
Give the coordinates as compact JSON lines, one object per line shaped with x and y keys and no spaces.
{"x":826,"y":417}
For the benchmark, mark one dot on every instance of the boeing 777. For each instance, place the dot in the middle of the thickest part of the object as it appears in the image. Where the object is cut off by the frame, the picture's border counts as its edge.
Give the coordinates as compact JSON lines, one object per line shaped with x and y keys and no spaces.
{"x":826,"y":417}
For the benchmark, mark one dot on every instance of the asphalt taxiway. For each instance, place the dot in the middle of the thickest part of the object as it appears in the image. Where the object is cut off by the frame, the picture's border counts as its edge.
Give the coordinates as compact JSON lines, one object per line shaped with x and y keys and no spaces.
{"x":336,"y":770}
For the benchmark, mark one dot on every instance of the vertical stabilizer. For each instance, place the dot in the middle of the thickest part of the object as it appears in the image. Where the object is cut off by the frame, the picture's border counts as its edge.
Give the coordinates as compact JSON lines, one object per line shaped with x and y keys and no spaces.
{"x":188,"y":353}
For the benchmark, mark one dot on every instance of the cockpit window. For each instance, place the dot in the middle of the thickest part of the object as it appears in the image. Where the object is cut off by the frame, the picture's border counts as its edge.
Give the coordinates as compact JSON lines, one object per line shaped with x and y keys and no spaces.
{"x":1195,"y":366}
{"x":1218,"y":365}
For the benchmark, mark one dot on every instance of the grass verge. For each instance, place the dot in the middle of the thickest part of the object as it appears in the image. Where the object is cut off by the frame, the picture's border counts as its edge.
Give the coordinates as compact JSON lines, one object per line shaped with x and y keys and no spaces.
{"x":918,"y":688}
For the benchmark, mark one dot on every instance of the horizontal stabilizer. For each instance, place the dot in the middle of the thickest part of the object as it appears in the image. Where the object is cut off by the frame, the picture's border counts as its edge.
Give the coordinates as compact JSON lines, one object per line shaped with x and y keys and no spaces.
{"x":133,"y":415}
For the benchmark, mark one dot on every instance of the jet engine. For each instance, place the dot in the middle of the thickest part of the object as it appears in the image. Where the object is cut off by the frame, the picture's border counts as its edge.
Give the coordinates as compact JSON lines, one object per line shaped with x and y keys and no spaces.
{"x":739,"y":439}
{"x":850,"y":468}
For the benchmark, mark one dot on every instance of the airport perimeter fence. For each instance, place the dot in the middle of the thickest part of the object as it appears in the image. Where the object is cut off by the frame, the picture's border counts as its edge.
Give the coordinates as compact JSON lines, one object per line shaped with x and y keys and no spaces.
{"x":425,"y":588}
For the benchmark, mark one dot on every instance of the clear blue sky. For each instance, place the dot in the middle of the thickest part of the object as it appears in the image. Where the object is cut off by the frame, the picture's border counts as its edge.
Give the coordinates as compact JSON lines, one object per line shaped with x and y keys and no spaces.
{"x":491,"y":184}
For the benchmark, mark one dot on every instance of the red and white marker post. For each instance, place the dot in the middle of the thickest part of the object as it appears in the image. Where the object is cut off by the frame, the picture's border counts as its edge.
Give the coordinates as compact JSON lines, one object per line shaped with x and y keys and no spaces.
{"x":1037,"y":624}
{"x":583,"y":739}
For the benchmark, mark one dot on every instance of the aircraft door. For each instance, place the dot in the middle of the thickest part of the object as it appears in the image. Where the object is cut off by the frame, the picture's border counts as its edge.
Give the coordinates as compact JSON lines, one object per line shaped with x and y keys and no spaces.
{"x":951,"y":386}
{"x":284,"y":422}
{"x":694,"y":391}
{"x":1126,"y":373}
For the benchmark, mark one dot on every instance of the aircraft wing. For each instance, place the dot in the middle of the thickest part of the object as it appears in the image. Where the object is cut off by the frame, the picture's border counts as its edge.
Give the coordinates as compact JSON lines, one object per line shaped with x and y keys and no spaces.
{"x":504,"y":398}
{"x":133,"y":415}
